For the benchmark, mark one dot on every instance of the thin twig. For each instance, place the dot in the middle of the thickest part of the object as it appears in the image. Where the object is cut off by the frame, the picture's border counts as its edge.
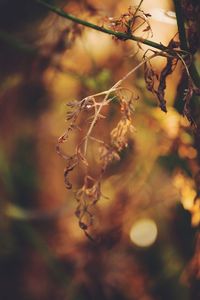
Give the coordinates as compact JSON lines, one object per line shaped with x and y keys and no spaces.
{"x":138,"y":7}
{"x":134,"y":69}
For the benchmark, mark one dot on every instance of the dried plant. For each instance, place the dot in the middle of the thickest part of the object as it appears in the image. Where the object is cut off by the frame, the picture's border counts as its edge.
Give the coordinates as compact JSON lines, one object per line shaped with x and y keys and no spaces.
{"x":92,"y":108}
{"x":93,"y":105}
{"x":156,"y":83}
{"x":131,"y":22}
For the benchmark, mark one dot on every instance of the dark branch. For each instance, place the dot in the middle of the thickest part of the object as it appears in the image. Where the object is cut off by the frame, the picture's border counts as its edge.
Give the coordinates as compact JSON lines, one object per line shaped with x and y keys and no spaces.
{"x":183,"y":40}
{"x":119,"y":35}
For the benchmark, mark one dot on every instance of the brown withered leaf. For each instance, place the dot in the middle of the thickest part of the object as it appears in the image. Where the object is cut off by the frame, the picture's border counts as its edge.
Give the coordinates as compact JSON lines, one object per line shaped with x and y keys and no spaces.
{"x":188,"y":93}
{"x":147,"y":28}
{"x":186,"y":90}
{"x":107,"y":155}
{"x":167,"y":70}
{"x":71,"y":164}
{"x":87,"y":196}
{"x":151,"y":78}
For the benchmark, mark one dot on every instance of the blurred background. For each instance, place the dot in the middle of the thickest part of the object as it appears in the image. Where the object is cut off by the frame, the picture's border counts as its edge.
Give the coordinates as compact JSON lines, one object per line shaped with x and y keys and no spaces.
{"x":148,"y":220}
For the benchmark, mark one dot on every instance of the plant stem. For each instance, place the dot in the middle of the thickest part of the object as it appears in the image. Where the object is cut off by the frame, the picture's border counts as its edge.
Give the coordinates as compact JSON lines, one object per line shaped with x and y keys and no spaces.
{"x":120,"y":35}
{"x":183,"y":40}
{"x":180,"y":24}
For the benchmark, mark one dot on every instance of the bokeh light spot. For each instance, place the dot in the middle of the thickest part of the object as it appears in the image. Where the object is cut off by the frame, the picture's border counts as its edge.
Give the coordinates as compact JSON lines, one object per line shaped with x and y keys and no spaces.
{"x":163,"y":16}
{"x":144,"y":232}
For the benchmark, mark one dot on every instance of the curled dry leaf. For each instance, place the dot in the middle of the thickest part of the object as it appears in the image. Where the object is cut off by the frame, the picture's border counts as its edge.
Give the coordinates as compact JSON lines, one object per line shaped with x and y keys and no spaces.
{"x":87,"y":196}
{"x":167,"y":70}
{"x":156,"y":83}
{"x":71,"y":164}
